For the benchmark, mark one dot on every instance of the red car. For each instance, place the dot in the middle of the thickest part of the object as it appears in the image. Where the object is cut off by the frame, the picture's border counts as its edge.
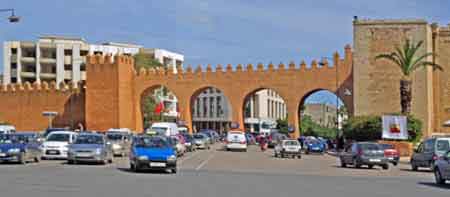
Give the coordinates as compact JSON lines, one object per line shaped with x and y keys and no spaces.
{"x":391,"y":153}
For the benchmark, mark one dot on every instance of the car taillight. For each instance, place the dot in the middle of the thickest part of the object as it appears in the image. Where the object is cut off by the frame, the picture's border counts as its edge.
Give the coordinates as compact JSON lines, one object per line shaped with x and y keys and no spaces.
{"x":225,"y":141}
{"x":242,"y":142}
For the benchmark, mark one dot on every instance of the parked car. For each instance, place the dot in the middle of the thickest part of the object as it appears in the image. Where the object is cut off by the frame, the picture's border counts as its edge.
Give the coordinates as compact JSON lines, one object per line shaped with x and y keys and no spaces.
{"x":391,"y":153}
{"x":429,"y":151}
{"x":211,"y":136}
{"x":288,"y":148}
{"x":51,"y":130}
{"x":201,"y":141}
{"x":152,"y":152}
{"x":119,"y":142}
{"x":177,"y":145}
{"x":236,"y":141}
{"x":90,"y":147}
{"x":19,"y":147}
{"x":442,"y":169}
{"x":56,"y":144}
{"x":364,"y":153}
{"x":7,"y":129}
{"x":314,"y":146}
{"x":189,"y":139}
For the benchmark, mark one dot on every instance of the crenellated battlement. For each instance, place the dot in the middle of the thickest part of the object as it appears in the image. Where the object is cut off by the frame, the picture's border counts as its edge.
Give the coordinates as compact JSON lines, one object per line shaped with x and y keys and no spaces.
{"x":314,"y":66}
{"x":41,"y":87}
{"x":101,"y":62}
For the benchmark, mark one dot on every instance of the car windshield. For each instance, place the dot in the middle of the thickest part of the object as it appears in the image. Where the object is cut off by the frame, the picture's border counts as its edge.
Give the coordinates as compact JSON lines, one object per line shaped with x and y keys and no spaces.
{"x":151,"y":142}
{"x":199,"y":137}
{"x":387,"y":146}
{"x":265,"y":126}
{"x":58,"y":137}
{"x":114,"y":136}
{"x":8,"y":139}
{"x":89,"y":139}
{"x":370,"y":147}
{"x":442,"y":145}
{"x":291,"y":143}
{"x":159,"y":130}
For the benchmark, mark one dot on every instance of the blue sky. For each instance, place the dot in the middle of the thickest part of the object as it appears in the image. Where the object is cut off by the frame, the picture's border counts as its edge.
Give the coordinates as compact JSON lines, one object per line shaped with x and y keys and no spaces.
{"x":217,"y":31}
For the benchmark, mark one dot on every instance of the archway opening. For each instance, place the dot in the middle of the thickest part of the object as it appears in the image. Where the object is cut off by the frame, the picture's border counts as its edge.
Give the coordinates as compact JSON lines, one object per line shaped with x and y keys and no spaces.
{"x":322,"y":114}
{"x":265,"y":112}
{"x":158,"y":104}
{"x":210,"y":110}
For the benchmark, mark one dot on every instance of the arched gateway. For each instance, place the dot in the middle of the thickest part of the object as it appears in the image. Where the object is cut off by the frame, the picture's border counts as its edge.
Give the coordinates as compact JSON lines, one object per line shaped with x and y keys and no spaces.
{"x":114,"y":88}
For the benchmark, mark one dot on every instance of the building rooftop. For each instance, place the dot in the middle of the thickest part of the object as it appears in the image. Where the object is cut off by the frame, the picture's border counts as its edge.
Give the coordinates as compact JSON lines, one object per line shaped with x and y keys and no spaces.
{"x":122,"y":44}
{"x":389,"y":21}
{"x":55,"y":37}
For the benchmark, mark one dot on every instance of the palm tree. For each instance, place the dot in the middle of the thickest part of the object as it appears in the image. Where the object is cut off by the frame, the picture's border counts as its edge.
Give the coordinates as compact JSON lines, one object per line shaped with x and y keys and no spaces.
{"x":409,"y":61}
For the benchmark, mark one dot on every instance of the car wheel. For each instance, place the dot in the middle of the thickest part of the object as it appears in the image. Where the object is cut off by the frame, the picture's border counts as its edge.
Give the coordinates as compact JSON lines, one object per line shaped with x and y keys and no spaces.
{"x":370,"y":166}
{"x":307,"y":152}
{"x":174,"y":170}
{"x":282,"y":155}
{"x":343,"y":164}
{"x":385,"y":166}
{"x":356,"y":163}
{"x":110,"y":160}
{"x":293,"y":156}
{"x":438,"y":177}
{"x":299,"y":156}
{"x":276,"y":155}
{"x":395,"y":163}
{"x":414,"y":166}
{"x":37,"y":159}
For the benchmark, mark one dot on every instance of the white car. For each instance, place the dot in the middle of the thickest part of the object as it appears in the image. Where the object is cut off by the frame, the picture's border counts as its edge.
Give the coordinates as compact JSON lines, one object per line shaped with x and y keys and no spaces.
{"x":236,"y":141}
{"x":7,"y":129}
{"x":56,"y":145}
{"x":288,"y":148}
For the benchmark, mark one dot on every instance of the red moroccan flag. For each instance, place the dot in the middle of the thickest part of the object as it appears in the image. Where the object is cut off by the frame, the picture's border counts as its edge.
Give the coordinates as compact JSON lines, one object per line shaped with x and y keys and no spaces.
{"x":159,"y":108}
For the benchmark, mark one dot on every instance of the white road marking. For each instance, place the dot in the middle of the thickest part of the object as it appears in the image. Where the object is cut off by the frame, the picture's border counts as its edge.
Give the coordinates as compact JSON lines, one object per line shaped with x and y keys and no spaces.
{"x":192,"y":155}
{"x":205,"y":162}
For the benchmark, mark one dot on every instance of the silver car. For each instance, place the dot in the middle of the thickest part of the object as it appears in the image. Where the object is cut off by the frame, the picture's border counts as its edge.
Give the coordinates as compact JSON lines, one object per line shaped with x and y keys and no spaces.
{"x":442,"y":169}
{"x":90,"y":147}
{"x":120,"y":143}
{"x":201,"y":141}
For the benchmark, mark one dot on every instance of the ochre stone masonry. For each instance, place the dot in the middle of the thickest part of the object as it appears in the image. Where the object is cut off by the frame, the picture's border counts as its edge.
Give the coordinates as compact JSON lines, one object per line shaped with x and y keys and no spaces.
{"x":22,"y":105}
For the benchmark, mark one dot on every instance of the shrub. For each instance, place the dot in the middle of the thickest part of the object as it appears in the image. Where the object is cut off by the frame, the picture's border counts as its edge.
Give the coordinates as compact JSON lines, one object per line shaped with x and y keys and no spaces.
{"x":369,"y":128}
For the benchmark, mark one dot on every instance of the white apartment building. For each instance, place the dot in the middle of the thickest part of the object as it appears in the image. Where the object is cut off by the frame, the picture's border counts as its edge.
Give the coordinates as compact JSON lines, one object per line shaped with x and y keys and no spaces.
{"x":211,"y":110}
{"x":57,"y":58}
{"x":263,"y":109}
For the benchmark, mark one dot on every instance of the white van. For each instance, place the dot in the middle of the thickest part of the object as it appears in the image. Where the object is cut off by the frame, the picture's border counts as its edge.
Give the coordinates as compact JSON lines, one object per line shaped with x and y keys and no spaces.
{"x":7,"y":129}
{"x":236,"y":141}
{"x":165,"y":128}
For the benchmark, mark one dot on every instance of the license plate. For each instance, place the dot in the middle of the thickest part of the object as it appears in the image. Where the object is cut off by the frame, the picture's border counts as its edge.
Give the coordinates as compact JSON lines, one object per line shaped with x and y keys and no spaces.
{"x":52,"y":152}
{"x":157,"y":164}
{"x":83,"y":155}
{"x":375,"y":160}
{"x":2,"y":155}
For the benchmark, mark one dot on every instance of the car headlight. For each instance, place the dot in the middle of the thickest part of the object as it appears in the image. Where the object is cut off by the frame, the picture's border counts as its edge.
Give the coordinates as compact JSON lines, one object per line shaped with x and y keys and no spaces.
{"x":14,"y":150}
{"x":116,"y":146}
{"x":172,"y":158}
{"x":98,"y":151}
{"x":143,"y":157}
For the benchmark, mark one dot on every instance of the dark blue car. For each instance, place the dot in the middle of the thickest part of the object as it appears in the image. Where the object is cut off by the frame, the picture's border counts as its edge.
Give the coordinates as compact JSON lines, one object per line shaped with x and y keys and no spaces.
{"x":152,"y":152}
{"x":314,"y":146}
{"x":19,"y":147}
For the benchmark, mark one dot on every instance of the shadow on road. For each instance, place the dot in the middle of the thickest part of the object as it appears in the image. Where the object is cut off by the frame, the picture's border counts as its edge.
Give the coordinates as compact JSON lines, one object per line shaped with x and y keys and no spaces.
{"x":147,"y":171}
{"x":412,"y":171}
{"x":361,"y":168}
{"x":430,"y":184}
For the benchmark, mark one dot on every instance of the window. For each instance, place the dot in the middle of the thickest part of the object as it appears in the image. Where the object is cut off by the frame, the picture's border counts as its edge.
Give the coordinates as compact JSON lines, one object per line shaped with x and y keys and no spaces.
{"x":211,"y":107}
{"x":429,"y":146}
{"x":53,"y":69}
{"x":13,"y":80}
{"x":268,"y":108}
{"x":68,"y":52}
{"x":219,"y":106}
{"x":83,"y":67}
{"x":13,"y":65}
{"x":14,"y":51}
{"x":442,"y":145}
{"x":198,"y":107}
{"x":205,"y":107}
{"x":420,"y":148}
{"x":67,"y":66}
{"x":84,"y":53}
{"x":98,"y":53}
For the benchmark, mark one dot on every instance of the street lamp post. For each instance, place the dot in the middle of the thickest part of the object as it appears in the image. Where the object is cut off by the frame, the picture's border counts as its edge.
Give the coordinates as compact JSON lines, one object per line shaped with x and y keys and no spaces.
{"x":13,"y":18}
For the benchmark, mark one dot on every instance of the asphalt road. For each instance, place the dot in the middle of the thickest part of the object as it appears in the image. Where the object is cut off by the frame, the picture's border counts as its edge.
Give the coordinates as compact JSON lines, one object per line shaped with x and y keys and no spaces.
{"x":218,"y":173}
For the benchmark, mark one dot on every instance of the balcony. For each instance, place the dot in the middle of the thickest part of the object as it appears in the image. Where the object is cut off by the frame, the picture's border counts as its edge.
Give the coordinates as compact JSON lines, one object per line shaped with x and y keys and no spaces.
{"x":28,"y":59}
{"x":48,"y":76}
{"x":67,"y":59}
{"x":14,"y":58}
{"x":13,"y":72}
{"x":47,"y":60}
{"x":67,"y":74}
{"x":28,"y":74}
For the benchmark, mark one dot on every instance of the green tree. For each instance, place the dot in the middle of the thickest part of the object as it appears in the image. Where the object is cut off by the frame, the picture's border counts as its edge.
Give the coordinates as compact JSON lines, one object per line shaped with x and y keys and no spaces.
{"x":143,"y":60}
{"x":310,"y":128}
{"x":283,"y":125}
{"x":409,"y":60}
